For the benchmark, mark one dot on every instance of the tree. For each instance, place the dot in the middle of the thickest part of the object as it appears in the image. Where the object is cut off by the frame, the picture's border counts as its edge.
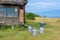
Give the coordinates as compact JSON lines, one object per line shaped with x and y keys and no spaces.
{"x":31,"y":15}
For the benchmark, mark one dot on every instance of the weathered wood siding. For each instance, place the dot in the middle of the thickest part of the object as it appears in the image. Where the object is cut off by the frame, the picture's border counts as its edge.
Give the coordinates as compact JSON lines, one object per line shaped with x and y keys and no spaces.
{"x":5,"y":13}
{"x":8,"y":15}
{"x":20,"y":2}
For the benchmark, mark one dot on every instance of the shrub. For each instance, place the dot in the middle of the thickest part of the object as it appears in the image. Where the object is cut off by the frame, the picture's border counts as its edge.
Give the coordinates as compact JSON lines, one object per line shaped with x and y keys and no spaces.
{"x":31,"y":16}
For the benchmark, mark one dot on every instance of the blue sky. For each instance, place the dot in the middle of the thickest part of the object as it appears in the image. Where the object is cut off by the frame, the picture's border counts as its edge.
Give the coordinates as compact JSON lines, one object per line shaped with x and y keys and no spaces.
{"x":44,"y":7}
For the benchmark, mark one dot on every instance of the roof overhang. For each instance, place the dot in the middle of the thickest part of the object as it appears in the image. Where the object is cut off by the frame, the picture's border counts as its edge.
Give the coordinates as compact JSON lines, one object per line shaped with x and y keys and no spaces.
{"x":20,"y":2}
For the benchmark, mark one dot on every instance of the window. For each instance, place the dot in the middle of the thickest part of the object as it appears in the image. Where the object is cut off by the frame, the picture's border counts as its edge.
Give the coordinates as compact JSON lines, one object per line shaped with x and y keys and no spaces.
{"x":2,"y":12}
{"x":8,"y":11}
{"x":11,"y":12}
{"x":9,"y":15}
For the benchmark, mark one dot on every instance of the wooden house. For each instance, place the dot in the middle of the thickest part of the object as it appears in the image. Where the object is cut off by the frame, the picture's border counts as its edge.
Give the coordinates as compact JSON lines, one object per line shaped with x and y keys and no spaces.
{"x":12,"y":12}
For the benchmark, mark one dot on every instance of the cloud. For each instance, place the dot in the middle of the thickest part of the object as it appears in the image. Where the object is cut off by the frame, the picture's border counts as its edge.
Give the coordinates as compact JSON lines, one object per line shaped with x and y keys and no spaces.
{"x":43,"y":6}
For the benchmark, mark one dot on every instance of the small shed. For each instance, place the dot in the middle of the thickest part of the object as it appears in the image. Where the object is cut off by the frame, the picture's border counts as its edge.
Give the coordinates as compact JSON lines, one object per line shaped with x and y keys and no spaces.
{"x":12,"y":12}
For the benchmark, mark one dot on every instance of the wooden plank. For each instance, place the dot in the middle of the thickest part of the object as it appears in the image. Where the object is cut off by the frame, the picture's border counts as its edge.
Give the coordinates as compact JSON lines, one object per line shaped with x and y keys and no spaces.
{"x":19,"y":2}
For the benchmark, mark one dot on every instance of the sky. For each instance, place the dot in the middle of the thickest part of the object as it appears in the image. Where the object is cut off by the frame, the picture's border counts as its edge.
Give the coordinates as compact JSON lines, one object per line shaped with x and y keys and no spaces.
{"x":47,"y":8}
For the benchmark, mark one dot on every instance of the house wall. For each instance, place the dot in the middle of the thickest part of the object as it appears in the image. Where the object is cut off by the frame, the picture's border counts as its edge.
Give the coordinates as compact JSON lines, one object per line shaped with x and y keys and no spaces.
{"x":19,"y":19}
{"x":21,"y":11}
{"x":22,"y":15}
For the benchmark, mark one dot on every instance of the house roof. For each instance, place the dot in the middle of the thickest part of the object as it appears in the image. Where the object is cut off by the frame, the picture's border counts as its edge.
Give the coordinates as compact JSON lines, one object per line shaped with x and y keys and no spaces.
{"x":19,"y":2}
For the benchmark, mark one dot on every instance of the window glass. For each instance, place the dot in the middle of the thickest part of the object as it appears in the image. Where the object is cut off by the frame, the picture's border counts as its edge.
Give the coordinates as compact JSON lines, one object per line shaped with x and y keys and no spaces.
{"x":10,"y":12}
{"x":2,"y":11}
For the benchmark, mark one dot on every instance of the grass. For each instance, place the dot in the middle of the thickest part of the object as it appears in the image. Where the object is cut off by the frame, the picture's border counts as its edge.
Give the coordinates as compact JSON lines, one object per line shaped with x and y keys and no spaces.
{"x":51,"y":32}
{"x":33,"y":24}
{"x":37,"y":24}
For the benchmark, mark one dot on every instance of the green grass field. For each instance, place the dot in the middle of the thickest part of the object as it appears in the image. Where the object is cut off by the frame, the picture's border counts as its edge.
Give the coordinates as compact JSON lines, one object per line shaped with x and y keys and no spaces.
{"x":50,"y":33}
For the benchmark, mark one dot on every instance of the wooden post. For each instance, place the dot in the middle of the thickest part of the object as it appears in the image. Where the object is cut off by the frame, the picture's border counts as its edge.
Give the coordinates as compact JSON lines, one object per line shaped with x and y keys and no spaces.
{"x":22,"y":14}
